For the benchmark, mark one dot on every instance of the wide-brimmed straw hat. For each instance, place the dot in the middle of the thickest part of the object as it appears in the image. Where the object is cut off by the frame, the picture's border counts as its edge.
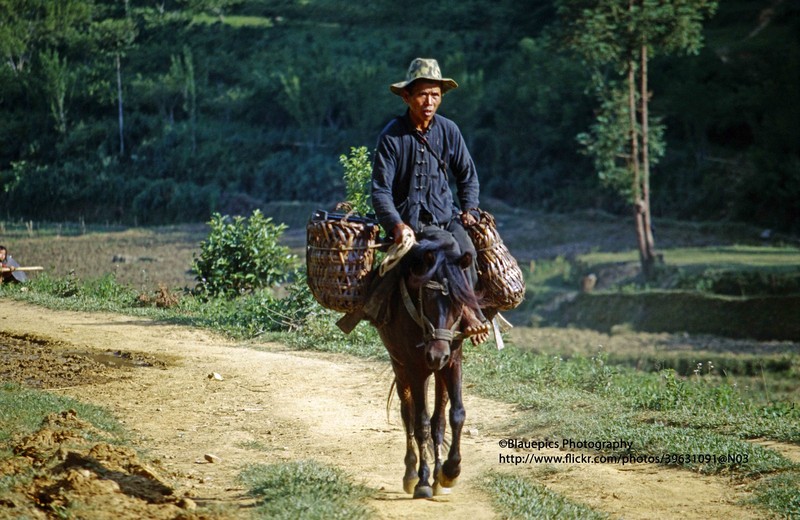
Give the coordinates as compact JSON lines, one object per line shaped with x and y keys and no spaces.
{"x":423,"y":68}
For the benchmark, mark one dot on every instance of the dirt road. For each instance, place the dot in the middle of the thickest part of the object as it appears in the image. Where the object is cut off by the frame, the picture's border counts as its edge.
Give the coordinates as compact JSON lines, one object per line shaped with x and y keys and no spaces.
{"x":270,"y":404}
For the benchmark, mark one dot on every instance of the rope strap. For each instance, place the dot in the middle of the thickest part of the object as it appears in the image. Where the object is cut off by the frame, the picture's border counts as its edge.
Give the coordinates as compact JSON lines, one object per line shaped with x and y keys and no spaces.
{"x":429,"y":331}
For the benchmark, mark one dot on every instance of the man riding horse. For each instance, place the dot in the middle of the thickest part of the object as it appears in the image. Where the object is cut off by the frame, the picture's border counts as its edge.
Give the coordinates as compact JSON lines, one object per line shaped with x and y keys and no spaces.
{"x":410,"y":190}
{"x":422,"y":299}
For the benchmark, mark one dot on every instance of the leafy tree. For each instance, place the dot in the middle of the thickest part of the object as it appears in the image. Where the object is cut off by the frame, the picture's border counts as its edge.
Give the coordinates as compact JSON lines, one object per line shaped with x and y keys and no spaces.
{"x":622,"y":35}
{"x":58,"y":81}
{"x":114,"y":36}
{"x":181,"y":78}
{"x":255,"y":99}
{"x":38,"y":40}
{"x":28,"y":27}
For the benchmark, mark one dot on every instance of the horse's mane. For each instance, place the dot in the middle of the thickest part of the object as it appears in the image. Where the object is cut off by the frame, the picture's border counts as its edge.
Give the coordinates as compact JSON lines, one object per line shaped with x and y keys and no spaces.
{"x":447,"y":264}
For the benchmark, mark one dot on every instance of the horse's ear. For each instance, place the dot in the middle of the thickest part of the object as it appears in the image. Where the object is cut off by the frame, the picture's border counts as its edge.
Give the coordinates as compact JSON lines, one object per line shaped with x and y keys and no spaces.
{"x":466,"y":260}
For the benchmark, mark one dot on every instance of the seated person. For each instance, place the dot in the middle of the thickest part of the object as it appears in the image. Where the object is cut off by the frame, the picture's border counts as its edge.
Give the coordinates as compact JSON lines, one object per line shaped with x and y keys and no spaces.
{"x":8,"y":268}
{"x":416,"y":154}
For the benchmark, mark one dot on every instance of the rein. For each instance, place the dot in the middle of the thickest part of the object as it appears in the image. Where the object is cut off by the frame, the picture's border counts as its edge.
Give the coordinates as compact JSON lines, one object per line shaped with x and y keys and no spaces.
{"x":429,"y":331}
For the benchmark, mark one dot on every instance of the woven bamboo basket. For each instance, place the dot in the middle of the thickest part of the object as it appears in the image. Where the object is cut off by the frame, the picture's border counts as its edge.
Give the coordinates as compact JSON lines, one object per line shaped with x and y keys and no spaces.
{"x":340,"y":250}
{"x":499,"y":276}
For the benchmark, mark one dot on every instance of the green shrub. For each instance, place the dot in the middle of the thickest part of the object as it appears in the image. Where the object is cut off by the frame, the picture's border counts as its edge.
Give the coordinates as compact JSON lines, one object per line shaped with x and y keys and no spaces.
{"x":241,"y":255}
{"x":357,"y":179}
{"x":62,"y":287}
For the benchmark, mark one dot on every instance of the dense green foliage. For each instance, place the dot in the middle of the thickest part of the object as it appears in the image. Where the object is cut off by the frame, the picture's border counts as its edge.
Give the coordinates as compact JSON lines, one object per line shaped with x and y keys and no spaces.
{"x":241,"y":255}
{"x":357,"y":179}
{"x":644,"y":28}
{"x":145,"y":113}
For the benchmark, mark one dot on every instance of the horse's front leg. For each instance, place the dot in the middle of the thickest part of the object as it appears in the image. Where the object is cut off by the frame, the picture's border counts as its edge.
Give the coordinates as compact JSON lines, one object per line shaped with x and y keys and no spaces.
{"x":438,"y":426}
{"x":451,"y":468}
{"x":422,"y":434}
{"x":410,"y":477}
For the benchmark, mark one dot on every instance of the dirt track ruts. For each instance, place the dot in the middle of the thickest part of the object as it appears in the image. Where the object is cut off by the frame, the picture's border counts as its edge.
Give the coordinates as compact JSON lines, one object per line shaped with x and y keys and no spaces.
{"x":278,"y":405}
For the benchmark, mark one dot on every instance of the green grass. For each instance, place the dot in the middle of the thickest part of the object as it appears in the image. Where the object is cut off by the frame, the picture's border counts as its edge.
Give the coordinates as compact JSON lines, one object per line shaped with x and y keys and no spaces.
{"x":235,"y":20}
{"x":546,"y":281}
{"x":305,"y":489}
{"x":21,"y":413}
{"x":736,"y":270}
{"x":627,"y":398}
{"x":779,"y":493}
{"x":585,"y":398}
{"x":656,"y":390}
{"x":735,"y":291}
{"x":582,"y":396}
{"x":71,"y":293}
{"x":22,"y":410}
{"x":722,"y":257}
{"x":518,"y":498}
{"x":17,"y":229}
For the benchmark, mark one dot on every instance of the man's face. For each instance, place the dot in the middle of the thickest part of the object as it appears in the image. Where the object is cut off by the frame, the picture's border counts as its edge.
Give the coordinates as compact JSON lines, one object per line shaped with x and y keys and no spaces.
{"x":423,"y":99}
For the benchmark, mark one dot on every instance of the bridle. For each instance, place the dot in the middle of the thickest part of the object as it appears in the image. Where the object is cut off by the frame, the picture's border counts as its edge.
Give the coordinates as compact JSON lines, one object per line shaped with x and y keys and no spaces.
{"x":429,"y":332}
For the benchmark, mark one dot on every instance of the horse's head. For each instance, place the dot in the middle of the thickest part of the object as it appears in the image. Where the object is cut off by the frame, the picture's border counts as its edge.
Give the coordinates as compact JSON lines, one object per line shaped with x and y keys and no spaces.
{"x":435,"y":293}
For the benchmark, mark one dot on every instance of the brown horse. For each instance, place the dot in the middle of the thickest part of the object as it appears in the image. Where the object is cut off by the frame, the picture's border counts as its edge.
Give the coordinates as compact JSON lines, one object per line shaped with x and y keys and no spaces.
{"x":421,"y":334}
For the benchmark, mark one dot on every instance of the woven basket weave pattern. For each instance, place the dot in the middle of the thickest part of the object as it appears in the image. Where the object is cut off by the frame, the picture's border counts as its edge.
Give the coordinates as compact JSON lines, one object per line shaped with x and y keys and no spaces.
{"x":339,"y":258}
{"x":499,"y":276}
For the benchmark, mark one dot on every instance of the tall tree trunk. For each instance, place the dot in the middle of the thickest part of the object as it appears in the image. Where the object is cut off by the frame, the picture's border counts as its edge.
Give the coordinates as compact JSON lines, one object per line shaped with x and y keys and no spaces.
{"x":191,"y":87}
{"x":639,"y":207}
{"x":636,"y":187}
{"x":648,"y":259}
{"x":119,"y":105}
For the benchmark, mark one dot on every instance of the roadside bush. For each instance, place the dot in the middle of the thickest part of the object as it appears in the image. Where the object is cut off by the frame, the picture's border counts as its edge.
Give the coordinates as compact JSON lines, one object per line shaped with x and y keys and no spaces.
{"x":63,"y":287}
{"x":241,"y":255}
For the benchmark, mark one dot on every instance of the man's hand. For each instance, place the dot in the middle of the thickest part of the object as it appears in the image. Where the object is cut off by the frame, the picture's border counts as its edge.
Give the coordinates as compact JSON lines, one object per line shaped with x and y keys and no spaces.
{"x":397,"y":232}
{"x":468,"y":219}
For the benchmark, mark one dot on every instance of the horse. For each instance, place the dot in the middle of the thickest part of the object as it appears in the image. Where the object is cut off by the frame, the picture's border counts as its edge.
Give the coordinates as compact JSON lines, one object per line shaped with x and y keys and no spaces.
{"x":421,"y":334}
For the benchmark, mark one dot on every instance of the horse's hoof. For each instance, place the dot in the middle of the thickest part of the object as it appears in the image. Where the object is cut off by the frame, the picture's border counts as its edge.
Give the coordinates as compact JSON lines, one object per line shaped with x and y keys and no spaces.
{"x":423,"y":492}
{"x":446,"y":482}
{"x":409,"y":484}
{"x":450,"y":472}
{"x":439,"y":489}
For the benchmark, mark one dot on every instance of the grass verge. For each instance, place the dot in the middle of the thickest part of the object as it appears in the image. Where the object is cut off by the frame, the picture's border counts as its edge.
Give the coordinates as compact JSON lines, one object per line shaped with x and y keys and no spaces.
{"x":305,"y":489}
{"x":518,"y":498}
{"x":22,"y":410}
{"x":577,"y":397}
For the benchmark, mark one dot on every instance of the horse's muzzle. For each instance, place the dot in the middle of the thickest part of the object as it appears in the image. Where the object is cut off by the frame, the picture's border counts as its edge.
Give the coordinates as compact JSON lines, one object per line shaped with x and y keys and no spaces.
{"x":437,"y":354}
